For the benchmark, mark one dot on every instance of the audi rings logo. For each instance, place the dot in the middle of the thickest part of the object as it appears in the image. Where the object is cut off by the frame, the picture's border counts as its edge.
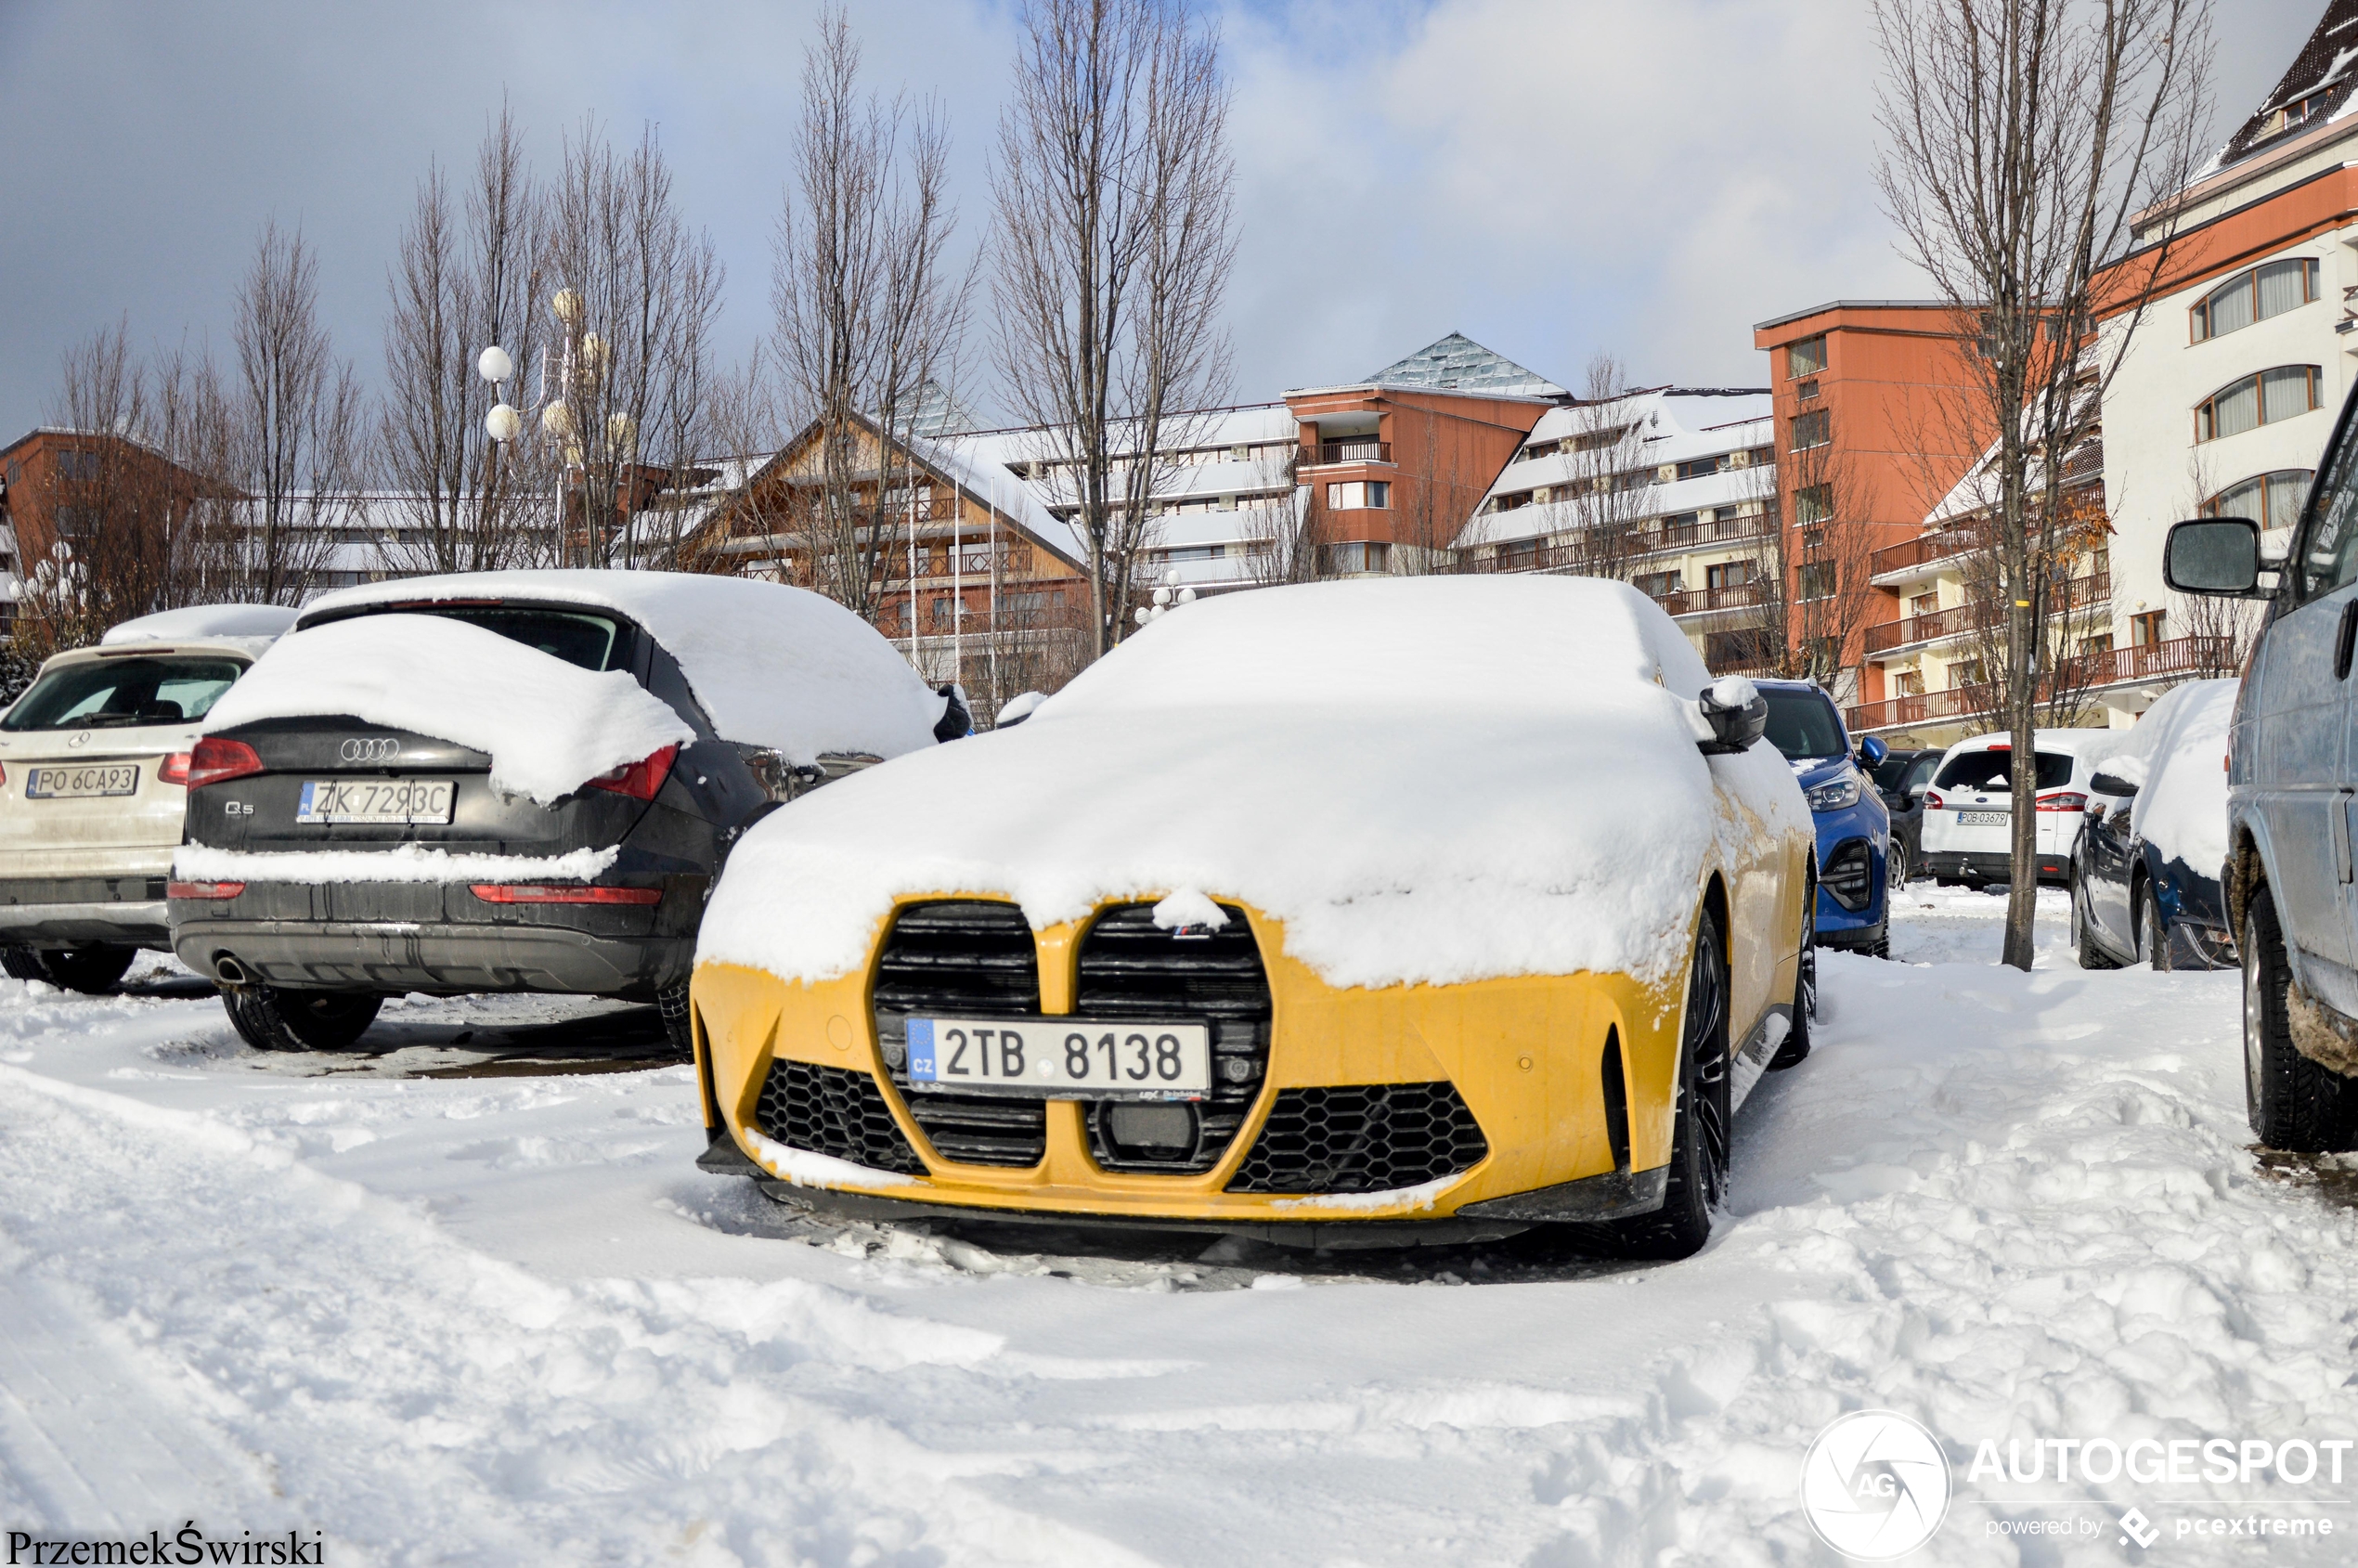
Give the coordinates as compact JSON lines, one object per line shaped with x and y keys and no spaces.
{"x":370,"y":748}
{"x":1874,"y":1485}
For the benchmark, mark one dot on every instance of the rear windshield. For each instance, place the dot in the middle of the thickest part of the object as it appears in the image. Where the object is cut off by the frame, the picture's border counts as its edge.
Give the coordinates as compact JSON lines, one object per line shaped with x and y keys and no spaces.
{"x":1802,"y":724}
{"x":575,"y":637}
{"x":1905,"y":771}
{"x":1994,"y":769}
{"x":120,"y":692}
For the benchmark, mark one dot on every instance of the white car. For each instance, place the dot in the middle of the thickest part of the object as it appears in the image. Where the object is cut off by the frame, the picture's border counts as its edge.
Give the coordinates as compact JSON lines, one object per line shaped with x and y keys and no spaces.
{"x":94,"y":768}
{"x":1968,"y":823}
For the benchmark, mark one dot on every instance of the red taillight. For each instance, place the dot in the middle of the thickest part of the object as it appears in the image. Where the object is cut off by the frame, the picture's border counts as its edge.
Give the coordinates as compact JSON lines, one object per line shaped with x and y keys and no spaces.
{"x":640,"y":779}
{"x":1932,"y":798}
{"x":216,"y":761}
{"x":175,"y":769}
{"x":535,"y":893}
{"x":2067,"y":801}
{"x":203,"y":890}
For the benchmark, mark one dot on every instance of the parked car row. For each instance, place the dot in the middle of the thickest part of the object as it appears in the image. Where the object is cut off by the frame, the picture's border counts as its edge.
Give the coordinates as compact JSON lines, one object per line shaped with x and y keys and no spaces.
{"x":1213,"y":939}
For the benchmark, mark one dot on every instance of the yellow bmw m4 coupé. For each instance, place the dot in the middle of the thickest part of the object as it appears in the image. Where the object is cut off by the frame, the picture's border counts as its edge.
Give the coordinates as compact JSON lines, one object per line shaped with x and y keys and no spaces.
{"x":1355,"y":913}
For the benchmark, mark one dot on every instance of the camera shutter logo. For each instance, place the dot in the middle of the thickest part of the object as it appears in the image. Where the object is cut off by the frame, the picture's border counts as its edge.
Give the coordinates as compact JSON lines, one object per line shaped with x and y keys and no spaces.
{"x":1874,"y":1485}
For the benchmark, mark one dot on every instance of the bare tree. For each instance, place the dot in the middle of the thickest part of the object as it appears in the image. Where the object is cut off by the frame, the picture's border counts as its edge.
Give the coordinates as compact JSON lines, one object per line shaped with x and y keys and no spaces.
{"x":1818,"y":596}
{"x":1607,"y":490}
{"x":870,"y":317}
{"x":1114,"y":192}
{"x":282,"y":435}
{"x":460,"y":285}
{"x":629,"y":372}
{"x":2024,"y":137}
{"x":1300,"y":532}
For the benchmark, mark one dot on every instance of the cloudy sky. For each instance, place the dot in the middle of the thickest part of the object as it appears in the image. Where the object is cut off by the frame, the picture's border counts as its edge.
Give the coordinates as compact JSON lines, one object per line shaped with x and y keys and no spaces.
{"x":1550,"y":177}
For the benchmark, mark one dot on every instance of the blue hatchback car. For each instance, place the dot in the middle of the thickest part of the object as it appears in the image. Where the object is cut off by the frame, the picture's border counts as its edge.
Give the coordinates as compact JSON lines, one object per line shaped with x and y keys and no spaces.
{"x":1854,"y":826}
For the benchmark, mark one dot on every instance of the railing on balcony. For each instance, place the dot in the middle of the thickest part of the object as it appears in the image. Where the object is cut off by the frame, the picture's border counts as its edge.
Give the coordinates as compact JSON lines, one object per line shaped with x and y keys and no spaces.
{"x":1537,"y":555}
{"x":1688,"y":536}
{"x":1350,"y":451}
{"x":2180,"y":657}
{"x":1923,"y":550}
{"x":1701,"y":601}
{"x":2079,"y":592}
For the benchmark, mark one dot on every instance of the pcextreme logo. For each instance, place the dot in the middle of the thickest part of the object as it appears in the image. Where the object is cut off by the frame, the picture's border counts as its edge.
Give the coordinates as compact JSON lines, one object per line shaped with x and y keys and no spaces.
{"x":1874,"y":1485}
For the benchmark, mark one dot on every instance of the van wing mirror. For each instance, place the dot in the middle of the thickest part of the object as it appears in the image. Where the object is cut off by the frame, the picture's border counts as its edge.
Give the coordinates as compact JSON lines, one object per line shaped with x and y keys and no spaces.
{"x":2216,"y":556}
{"x":1872,"y":751}
{"x":1734,"y":725}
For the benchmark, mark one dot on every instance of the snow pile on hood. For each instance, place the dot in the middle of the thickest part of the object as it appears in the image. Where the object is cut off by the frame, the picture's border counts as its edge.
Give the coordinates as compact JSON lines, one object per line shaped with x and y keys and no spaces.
{"x":253,"y":625}
{"x":2181,"y":810}
{"x":548,"y":726}
{"x":1438,"y":779}
{"x":774,"y":666}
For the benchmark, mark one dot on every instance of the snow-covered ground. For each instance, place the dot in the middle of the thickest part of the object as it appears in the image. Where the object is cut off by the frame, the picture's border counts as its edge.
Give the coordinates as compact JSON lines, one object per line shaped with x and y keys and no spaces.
{"x":494,"y":1313}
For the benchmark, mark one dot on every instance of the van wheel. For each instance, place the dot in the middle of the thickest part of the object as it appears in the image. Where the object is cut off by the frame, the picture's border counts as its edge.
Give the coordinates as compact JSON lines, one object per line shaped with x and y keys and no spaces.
{"x":21,"y":963}
{"x":2084,"y":942}
{"x":86,"y":969}
{"x":1698,"y":1180}
{"x":2153,"y":937}
{"x":2295,"y":1103}
{"x":300,"y":1020}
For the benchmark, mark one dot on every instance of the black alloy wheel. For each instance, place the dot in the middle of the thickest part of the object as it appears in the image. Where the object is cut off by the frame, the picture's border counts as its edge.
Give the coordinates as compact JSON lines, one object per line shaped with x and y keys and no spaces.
{"x":86,"y":969}
{"x":270,"y":1019}
{"x":2083,"y":936}
{"x":2294,"y":1103}
{"x":2153,"y":934}
{"x":1896,"y":871}
{"x":1698,"y":1179}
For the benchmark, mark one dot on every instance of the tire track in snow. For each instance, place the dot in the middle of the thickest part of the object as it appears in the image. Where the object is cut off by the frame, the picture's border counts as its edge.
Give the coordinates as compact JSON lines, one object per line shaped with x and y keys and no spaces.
{"x":415,"y":1398}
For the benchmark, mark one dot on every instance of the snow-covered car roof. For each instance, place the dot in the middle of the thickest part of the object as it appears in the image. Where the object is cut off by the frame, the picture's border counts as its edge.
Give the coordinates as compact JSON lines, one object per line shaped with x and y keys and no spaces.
{"x":2177,"y":752}
{"x":774,"y":666}
{"x":249,"y":628}
{"x":1436,"y":779}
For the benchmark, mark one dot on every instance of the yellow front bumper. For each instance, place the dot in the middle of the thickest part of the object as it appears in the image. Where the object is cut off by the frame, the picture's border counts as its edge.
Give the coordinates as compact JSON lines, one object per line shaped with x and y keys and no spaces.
{"x":1525,"y":1054}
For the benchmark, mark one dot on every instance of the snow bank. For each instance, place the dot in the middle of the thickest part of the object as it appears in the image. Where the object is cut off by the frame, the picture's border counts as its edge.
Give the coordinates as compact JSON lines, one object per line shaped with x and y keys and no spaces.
{"x":403,"y":862}
{"x":545,"y":725}
{"x":1426,"y":780}
{"x":774,"y":666}
{"x":2181,"y":810}
{"x":240,"y":622}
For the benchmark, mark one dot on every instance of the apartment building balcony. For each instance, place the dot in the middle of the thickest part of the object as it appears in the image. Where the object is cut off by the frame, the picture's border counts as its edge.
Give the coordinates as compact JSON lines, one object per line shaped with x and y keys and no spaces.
{"x":1915,"y":631}
{"x":2178,"y":659}
{"x":1326,"y":454}
{"x":1696,"y":535}
{"x":1712,"y":600}
{"x":1908,"y":560}
{"x":1542,"y":555}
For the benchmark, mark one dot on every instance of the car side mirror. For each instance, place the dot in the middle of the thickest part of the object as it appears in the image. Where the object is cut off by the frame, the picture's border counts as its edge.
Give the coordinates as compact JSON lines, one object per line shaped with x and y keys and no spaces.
{"x":2113,"y":785}
{"x":1017,"y":708}
{"x":1872,"y":751}
{"x":2215,"y":556}
{"x":1734,"y":726}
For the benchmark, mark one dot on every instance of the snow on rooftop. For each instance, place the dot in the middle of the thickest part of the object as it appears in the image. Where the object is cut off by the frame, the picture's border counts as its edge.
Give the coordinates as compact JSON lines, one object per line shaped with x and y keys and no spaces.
{"x":1306,"y":750}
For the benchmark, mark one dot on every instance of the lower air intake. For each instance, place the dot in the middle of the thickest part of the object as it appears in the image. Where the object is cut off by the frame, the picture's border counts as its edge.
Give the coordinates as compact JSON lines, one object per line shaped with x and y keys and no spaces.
{"x":1369,"y":1137}
{"x":834,"y":1111}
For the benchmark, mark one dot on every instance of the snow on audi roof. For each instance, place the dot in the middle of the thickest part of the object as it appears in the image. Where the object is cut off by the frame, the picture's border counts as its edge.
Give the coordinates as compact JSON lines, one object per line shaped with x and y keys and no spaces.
{"x":774,"y":666}
{"x":1436,"y":780}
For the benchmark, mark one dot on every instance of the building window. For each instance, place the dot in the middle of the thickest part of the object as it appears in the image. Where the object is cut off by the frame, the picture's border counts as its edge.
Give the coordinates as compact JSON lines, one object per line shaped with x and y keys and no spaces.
{"x":2146,"y":630}
{"x":1924,"y":603}
{"x":1657,"y":585}
{"x":2281,"y":394}
{"x":1373,"y":556}
{"x":1728,"y":574}
{"x":1908,"y":684}
{"x":1807,"y":389}
{"x":1356,"y":495}
{"x":1811,"y":429}
{"x":2272,"y":500}
{"x":1806,"y":357}
{"x":1818,"y":580}
{"x":1747,"y":648}
{"x":71,"y":521}
{"x":1964,"y":673}
{"x":1699,"y":468}
{"x":77,"y":465}
{"x":1812,"y":505}
{"x":2254,"y":296}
